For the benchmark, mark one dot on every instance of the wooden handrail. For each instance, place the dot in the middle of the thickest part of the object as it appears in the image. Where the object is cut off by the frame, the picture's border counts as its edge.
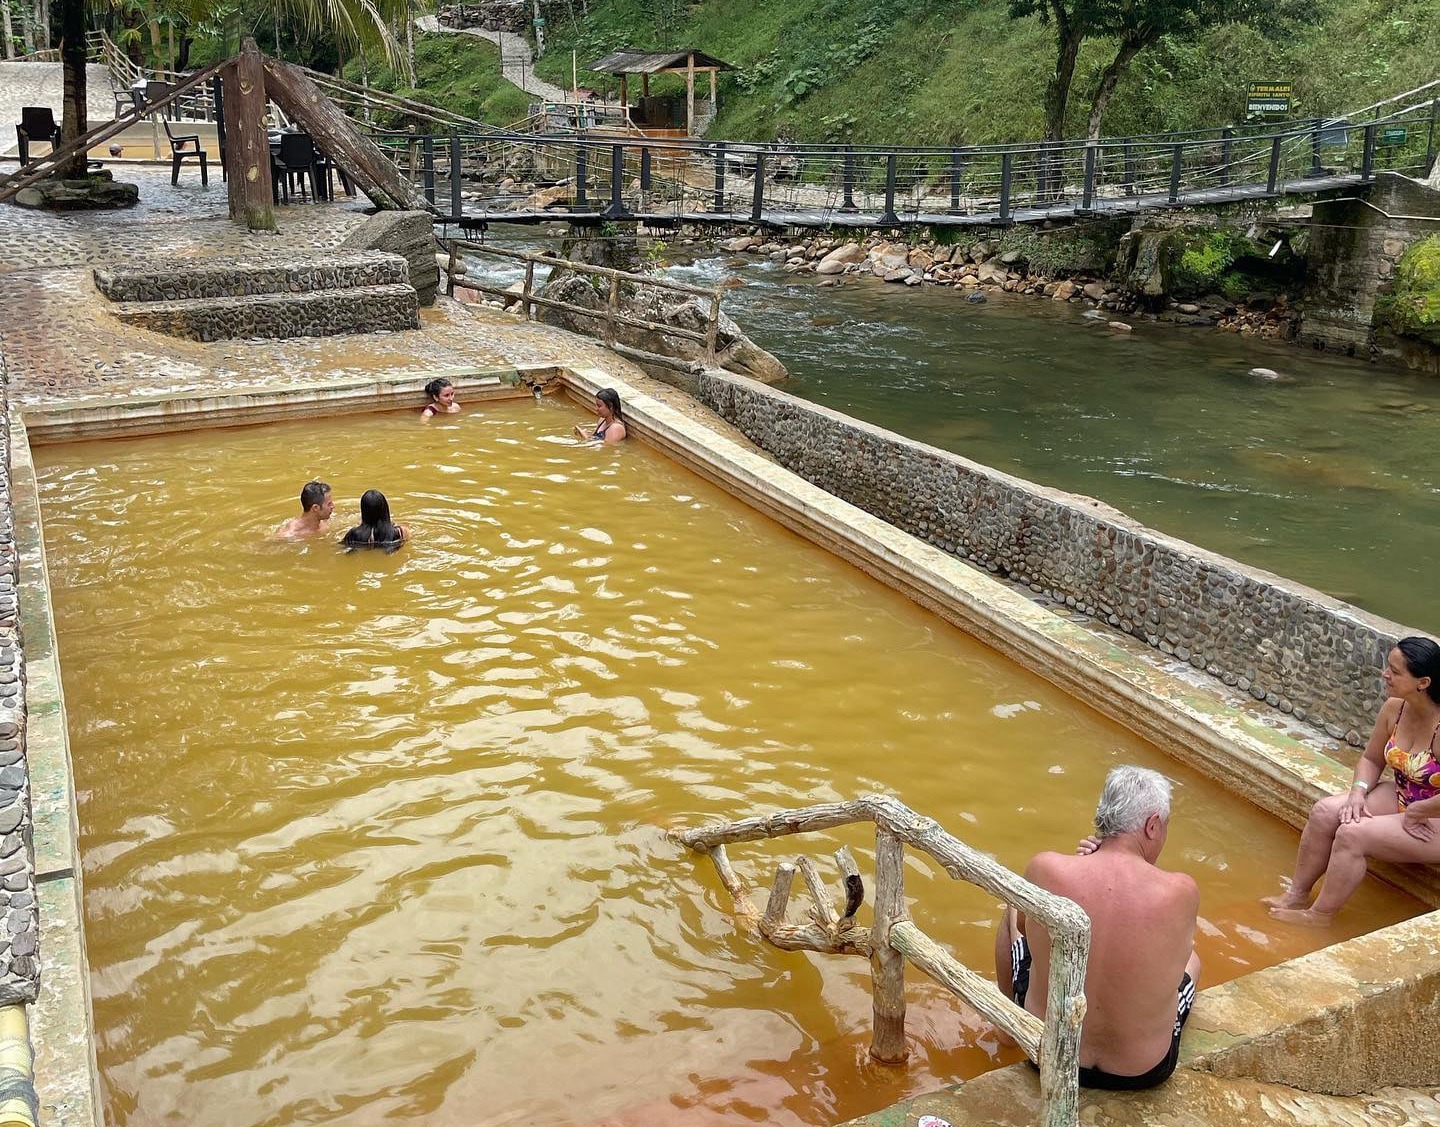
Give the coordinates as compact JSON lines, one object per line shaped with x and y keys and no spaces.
{"x":37,"y":170}
{"x":1053,"y":1046}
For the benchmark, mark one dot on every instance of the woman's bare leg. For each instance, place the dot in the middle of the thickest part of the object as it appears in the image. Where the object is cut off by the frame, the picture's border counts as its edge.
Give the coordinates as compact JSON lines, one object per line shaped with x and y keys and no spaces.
{"x":1314,"y":854}
{"x":1382,"y":837}
{"x":1005,"y":936}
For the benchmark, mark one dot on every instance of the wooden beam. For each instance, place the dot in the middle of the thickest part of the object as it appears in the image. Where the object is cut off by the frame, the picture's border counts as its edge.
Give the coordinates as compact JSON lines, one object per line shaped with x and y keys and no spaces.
{"x":690,"y":94}
{"x":247,"y":146}
{"x":291,"y":89}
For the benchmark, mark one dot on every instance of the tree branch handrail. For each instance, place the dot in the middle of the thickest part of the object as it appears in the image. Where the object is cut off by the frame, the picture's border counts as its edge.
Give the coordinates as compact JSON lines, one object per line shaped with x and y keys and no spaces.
{"x":1053,"y":1046}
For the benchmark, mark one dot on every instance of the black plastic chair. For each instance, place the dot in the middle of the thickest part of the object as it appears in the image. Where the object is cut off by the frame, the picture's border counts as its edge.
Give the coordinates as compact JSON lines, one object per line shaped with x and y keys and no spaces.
{"x":125,"y":102}
{"x":182,"y":149}
{"x":154,"y":91}
{"x":37,"y":123}
{"x":296,"y":159}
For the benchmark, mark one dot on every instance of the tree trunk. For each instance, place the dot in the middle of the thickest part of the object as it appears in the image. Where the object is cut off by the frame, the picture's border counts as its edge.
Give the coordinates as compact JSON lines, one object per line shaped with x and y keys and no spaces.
{"x":6,"y":29}
{"x":170,"y":45}
{"x":186,"y":42}
{"x":1069,"y":34}
{"x":72,"y":64}
{"x":1127,"y":50}
{"x":27,"y":29}
{"x":43,"y":7}
{"x":410,"y":44}
{"x":247,"y":147}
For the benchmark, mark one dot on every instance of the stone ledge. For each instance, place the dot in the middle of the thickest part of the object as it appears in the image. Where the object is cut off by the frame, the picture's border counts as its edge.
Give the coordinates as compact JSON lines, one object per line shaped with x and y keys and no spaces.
{"x":172,"y":280}
{"x":364,"y":309}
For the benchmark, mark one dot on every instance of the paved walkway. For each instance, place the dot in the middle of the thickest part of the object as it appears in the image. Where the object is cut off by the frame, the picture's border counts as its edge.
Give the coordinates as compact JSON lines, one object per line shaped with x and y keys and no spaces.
{"x":517,"y":63}
{"x":58,"y":339}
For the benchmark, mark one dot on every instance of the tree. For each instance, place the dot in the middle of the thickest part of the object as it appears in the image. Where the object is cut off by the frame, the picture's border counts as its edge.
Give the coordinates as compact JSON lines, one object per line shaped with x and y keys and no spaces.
{"x":1136,"y":25}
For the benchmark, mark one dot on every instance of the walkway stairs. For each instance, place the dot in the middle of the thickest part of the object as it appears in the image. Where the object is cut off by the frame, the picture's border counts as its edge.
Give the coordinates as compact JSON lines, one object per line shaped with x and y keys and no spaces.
{"x":265,"y":296}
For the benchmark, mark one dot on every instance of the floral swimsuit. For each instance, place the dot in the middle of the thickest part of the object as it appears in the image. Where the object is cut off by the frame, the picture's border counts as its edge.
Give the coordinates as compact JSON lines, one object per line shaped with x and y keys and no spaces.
{"x":1417,"y":773}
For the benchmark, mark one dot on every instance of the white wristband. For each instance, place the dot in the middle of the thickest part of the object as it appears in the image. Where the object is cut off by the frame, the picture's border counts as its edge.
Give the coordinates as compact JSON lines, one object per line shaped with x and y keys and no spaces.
{"x":1362,"y":786}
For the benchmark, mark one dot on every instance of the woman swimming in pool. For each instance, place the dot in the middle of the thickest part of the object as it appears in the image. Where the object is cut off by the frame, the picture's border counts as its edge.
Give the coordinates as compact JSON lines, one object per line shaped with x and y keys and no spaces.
{"x":442,"y":399}
{"x":376,"y":529}
{"x":610,"y":427}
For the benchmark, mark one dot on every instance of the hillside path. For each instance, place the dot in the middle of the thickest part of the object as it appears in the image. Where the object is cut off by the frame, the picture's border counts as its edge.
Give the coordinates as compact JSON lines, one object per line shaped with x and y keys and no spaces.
{"x":516,"y":60}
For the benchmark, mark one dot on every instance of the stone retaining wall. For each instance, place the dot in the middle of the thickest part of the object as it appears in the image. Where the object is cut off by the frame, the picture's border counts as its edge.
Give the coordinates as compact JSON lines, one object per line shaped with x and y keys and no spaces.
{"x":1287,"y":645}
{"x":252,"y":274}
{"x":323,"y":313}
{"x":19,"y":914}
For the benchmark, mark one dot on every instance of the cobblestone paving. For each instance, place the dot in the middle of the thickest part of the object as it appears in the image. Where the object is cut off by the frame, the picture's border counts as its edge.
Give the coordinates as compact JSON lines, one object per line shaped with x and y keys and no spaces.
{"x":60,"y":341}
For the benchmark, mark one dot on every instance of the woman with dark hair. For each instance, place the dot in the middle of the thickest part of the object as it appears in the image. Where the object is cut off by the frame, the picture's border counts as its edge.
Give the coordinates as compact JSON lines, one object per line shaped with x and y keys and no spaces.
{"x":441,"y":394}
{"x":1394,"y":821}
{"x":376,"y":529}
{"x":610,"y":427}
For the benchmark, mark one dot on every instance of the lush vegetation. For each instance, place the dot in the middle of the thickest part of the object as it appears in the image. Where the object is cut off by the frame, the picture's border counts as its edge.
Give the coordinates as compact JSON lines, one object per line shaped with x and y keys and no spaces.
{"x":459,"y":72}
{"x":1415,"y":304}
{"x":966,"y":71}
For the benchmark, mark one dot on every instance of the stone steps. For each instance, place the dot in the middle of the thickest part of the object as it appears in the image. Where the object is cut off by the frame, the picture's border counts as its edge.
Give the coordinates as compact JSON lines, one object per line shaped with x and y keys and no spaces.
{"x":178,"y":280}
{"x":326,"y":312}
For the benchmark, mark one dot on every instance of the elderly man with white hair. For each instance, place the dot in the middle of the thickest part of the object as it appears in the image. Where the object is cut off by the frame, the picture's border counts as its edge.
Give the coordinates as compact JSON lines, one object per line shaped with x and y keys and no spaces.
{"x":1141,"y":977}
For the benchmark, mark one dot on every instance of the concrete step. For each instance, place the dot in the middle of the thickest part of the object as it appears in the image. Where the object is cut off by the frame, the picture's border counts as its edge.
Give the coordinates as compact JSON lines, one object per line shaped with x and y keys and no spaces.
{"x":358,"y":309}
{"x":177,"y":280}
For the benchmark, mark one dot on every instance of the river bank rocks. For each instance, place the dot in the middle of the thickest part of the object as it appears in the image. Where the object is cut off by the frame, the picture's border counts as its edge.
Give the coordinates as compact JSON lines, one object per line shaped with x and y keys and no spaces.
{"x":976,"y":265}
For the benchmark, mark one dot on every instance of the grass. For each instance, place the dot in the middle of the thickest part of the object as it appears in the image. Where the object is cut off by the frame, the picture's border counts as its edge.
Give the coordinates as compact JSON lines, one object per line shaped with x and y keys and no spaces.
{"x":460,"y":73}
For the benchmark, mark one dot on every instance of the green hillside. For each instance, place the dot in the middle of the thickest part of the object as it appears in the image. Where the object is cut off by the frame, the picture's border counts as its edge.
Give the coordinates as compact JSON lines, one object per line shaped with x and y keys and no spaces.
{"x":963,"y":71}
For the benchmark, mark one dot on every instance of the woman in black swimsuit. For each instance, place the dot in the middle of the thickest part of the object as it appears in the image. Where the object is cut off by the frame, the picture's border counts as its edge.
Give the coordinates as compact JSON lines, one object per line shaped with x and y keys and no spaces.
{"x":610,"y":426}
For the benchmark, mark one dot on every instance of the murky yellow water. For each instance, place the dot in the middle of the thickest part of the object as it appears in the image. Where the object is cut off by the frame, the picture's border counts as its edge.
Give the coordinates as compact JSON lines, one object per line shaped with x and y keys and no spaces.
{"x":376,"y":837}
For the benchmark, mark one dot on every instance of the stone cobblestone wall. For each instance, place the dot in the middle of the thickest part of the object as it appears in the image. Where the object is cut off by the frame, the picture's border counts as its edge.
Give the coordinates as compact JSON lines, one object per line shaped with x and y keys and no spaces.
{"x":323,"y":313}
{"x":19,"y":932}
{"x":251,"y":274}
{"x":1298,"y":651}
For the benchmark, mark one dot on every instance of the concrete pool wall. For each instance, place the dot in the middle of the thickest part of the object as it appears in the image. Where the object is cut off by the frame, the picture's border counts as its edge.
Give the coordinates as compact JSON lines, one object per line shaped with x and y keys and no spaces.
{"x":1261,"y":761}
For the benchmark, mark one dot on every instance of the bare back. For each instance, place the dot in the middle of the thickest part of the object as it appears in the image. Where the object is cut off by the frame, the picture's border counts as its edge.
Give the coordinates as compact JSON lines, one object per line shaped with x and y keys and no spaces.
{"x":1142,"y":933}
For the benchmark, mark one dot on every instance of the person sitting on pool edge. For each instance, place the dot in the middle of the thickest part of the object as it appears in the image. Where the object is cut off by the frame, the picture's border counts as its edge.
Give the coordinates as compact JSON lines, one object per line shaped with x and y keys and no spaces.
{"x":610,"y":427}
{"x":316,"y":505}
{"x":376,"y":529}
{"x":1141,"y":976}
{"x":441,"y":393}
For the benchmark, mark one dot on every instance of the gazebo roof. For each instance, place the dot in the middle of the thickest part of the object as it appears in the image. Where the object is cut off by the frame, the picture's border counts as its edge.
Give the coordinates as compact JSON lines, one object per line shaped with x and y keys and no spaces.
{"x":628,"y":60}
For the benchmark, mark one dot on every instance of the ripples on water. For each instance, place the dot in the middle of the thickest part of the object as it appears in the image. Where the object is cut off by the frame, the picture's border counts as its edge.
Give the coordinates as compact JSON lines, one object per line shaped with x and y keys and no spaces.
{"x":377,"y":836}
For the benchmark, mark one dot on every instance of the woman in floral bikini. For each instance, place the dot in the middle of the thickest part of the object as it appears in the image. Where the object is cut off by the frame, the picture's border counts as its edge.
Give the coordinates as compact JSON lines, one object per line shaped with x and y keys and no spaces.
{"x":1397,"y":821}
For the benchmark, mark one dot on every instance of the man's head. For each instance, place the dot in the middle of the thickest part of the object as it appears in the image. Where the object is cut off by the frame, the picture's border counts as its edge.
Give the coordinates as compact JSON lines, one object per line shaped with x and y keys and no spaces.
{"x":316,"y":495}
{"x":1136,"y":801}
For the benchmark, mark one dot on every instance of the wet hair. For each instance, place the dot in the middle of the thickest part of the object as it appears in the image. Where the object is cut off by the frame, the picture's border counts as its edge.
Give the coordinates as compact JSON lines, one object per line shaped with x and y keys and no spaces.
{"x":1130,"y":796}
{"x":611,"y":398}
{"x":1422,"y":659}
{"x":436,"y":386}
{"x":376,"y":529}
{"x":313,"y":494}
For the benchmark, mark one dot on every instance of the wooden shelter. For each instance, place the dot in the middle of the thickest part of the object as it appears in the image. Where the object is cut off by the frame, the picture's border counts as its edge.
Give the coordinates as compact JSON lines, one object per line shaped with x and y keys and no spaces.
{"x":688,"y":61}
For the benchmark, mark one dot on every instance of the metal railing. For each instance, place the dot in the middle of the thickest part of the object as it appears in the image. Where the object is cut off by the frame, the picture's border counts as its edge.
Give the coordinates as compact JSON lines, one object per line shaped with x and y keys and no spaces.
{"x":196,"y":103}
{"x":876,"y":186}
{"x":612,"y":315}
{"x":893,"y":938}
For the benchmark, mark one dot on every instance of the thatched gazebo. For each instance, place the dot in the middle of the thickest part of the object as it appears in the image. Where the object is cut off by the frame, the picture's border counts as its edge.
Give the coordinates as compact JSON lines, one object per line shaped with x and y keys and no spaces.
{"x":654,"y":112}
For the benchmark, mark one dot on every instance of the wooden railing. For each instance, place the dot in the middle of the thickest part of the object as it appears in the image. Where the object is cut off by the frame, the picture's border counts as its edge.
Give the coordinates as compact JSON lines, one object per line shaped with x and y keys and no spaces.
{"x":612,"y":314}
{"x":196,"y":105}
{"x":893,"y":937}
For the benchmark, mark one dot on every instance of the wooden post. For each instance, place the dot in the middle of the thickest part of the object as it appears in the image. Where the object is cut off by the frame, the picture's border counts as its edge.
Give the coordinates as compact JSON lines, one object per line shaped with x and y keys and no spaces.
{"x":689,"y":94}
{"x":624,"y":92}
{"x":247,"y":146}
{"x":1065,"y":1016}
{"x":714,"y":98}
{"x":887,"y":965}
{"x":527,"y":306}
{"x":645,"y":85}
{"x":613,"y":315}
{"x":450,"y":273}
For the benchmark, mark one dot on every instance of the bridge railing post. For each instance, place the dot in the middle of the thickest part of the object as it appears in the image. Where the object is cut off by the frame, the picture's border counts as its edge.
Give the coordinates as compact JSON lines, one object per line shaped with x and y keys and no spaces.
{"x":1227,"y":150}
{"x":455,"y":162}
{"x":720,"y":176}
{"x":1430,"y":139}
{"x":957,"y":171}
{"x":1316,"y":170}
{"x":889,"y":218}
{"x":847,"y":205}
{"x":1087,"y":195}
{"x":1367,"y":159}
{"x":645,"y":168}
{"x":1128,"y":154}
{"x":1007,"y":175}
{"x":1177,"y":156}
{"x":1274,"y":177}
{"x":617,"y":208}
{"x":427,"y":151}
{"x":582,"y":173}
{"x":757,"y":201}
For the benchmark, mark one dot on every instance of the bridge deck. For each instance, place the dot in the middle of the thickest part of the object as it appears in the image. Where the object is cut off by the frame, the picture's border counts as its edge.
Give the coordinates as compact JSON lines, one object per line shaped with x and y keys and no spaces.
{"x":1100,"y":207}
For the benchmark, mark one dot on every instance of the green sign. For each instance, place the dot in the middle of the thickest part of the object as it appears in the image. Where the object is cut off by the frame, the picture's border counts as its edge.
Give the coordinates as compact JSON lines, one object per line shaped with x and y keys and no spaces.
{"x":1393,"y":136}
{"x":1266,"y":98}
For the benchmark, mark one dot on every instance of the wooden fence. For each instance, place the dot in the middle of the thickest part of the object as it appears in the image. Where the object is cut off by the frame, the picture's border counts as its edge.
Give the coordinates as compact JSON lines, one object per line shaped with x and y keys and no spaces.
{"x":893,"y":938}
